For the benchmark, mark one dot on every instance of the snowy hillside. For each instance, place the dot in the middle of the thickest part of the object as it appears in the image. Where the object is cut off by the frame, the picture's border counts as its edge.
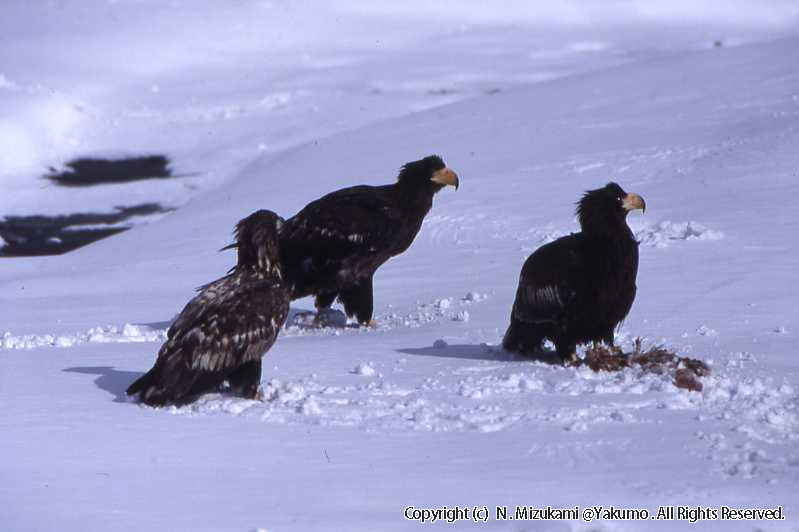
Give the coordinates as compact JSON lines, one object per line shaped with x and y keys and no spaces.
{"x":426,"y":410}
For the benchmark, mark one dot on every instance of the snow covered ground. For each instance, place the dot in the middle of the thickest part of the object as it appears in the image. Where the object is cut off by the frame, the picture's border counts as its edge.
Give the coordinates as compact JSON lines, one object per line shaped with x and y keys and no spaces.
{"x":273,"y":104}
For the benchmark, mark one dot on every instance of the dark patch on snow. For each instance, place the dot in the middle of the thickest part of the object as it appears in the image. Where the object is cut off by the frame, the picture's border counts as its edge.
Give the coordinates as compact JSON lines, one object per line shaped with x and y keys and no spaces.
{"x":464,"y":351}
{"x":111,"y":380}
{"x":685,"y":371}
{"x":441,"y":92}
{"x":325,"y":318}
{"x":86,"y":172}
{"x":36,"y":235}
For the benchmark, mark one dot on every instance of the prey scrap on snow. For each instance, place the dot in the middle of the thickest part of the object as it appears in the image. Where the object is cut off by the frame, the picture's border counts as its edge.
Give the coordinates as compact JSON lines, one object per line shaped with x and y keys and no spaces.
{"x":333,"y":246}
{"x":578,"y":288}
{"x":685,"y":372}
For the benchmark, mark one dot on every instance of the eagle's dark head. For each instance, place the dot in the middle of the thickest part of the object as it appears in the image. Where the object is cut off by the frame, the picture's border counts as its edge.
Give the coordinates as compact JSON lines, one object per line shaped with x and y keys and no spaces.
{"x":257,"y":242}
{"x":426,"y":175}
{"x":605,"y":208}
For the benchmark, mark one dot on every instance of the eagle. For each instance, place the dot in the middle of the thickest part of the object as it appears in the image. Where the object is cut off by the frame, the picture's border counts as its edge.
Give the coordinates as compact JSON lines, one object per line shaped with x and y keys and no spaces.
{"x":223,"y":332}
{"x":333,"y":246}
{"x":578,"y":288}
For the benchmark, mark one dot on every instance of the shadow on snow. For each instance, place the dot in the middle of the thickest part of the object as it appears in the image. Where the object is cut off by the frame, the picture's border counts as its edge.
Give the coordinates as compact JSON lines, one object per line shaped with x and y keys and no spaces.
{"x":111,"y":380}
{"x":482,"y":352}
{"x":87,"y":172}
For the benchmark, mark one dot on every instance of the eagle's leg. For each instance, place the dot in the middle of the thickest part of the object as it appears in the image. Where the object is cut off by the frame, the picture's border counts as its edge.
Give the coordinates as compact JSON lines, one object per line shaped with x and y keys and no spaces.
{"x":324,"y":300}
{"x":322,"y":303}
{"x":567,"y":352}
{"x":608,"y":338}
{"x":246,"y":379}
{"x":358,"y":300}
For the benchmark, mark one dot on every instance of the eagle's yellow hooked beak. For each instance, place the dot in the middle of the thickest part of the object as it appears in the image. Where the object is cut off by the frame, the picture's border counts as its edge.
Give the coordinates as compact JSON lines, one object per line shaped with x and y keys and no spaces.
{"x":633,"y":201}
{"x":445,"y":177}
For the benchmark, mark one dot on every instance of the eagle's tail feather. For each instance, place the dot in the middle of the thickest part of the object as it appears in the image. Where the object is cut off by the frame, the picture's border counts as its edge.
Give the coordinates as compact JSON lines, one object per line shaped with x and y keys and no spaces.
{"x":171,"y":382}
{"x":156,"y":387}
{"x":146,"y":385}
{"x":522,"y":337}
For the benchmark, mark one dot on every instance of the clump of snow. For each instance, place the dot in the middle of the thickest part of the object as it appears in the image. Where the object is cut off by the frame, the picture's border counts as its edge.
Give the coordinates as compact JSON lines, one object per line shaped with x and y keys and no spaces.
{"x":5,"y":83}
{"x":474,"y":297}
{"x":462,"y":315}
{"x":276,"y":100}
{"x":780,"y":330}
{"x":704,"y":330}
{"x":443,"y":304}
{"x":660,"y":234}
{"x":310,"y":407}
{"x":364,"y":368}
{"x":103,"y":334}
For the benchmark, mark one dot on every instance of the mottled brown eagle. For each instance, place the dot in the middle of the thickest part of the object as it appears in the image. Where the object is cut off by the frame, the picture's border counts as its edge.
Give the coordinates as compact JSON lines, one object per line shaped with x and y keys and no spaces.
{"x":222,"y":334}
{"x":334,"y":245}
{"x":578,"y":288}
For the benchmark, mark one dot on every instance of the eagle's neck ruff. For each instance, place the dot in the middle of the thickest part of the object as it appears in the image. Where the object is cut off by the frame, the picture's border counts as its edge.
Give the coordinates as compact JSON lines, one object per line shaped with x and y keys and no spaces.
{"x":415,"y":196}
{"x":598,"y":221}
{"x":268,"y":272}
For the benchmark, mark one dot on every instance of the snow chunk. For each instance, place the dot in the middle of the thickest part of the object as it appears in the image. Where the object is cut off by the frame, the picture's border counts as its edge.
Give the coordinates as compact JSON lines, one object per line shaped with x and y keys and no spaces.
{"x":101,"y":334}
{"x":310,"y":407}
{"x":364,"y":368}
{"x":474,"y":297}
{"x":443,"y":304}
{"x":660,"y":234}
{"x":463,"y":315}
{"x":5,"y":83}
{"x":704,"y":330}
{"x":276,"y":100}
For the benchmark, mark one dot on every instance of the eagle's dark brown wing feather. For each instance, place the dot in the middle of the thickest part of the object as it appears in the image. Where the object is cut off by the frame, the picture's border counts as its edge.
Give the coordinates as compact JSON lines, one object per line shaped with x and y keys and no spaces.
{"x":348,"y":233}
{"x":232,"y":321}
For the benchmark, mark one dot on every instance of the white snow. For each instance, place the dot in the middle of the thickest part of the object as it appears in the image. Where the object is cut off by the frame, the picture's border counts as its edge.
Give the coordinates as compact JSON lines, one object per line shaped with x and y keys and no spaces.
{"x":272,"y":104}
{"x":365,"y":369}
{"x":474,"y":296}
{"x":101,"y":334}
{"x":462,"y":315}
{"x":704,"y":330}
{"x":660,"y":234}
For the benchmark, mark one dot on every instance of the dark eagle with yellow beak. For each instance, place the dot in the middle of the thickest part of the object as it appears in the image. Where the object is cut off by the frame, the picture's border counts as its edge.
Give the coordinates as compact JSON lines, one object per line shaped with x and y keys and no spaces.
{"x":334,"y":245}
{"x":579,"y":288}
